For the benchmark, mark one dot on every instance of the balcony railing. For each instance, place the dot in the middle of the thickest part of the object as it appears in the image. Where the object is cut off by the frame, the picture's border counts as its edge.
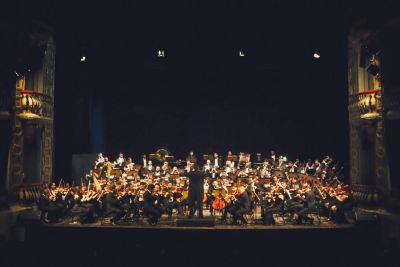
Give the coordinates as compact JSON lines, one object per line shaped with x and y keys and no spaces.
{"x":366,"y":105}
{"x":34,"y":105}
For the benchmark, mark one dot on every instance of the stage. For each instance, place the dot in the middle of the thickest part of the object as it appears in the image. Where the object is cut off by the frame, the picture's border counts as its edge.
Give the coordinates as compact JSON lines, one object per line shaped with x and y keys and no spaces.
{"x":283,"y":244}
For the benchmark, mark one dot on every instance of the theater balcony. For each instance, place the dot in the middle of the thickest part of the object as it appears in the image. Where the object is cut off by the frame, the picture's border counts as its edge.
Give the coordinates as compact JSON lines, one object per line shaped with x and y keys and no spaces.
{"x":34,"y":106}
{"x":366,"y":104}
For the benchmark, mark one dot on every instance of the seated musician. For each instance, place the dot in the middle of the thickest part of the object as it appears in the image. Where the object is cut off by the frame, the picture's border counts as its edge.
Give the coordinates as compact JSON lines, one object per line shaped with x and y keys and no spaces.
{"x":310,"y":168}
{"x":113,"y":207}
{"x":341,"y":209}
{"x":165,"y":167}
{"x":229,"y":158}
{"x":150,"y":166}
{"x":120,"y":161}
{"x":207,"y":167}
{"x":158,"y":172}
{"x":273,"y":202}
{"x":126,"y":199}
{"x":208,"y":190}
{"x":152,"y":206}
{"x":130,"y":165}
{"x":175,"y":170}
{"x":89,"y":177}
{"x":191,"y":157}
{"x":144,"y":161}
{"x":99,"y":161}
{"x":240,"y":206}
{"x":242,"y":173}
{"x":49,"y":206}
{"x":172,"y":201}
{"x":273,"y":158}
{"x":309,"y":205}
{"x":296,"y":202}
{"x":229,"y":167}
{"x":214,"y":174}
{"x":108,"y":166}
{"x":216,"y":162}
{"x":188,"y":166}
{"x":327,"y":161}
{"x":81,"y":208}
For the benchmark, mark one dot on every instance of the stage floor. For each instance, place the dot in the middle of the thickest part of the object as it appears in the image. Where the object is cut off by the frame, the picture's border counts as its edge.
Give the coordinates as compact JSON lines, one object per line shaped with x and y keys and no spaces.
{"x":165,"y":223}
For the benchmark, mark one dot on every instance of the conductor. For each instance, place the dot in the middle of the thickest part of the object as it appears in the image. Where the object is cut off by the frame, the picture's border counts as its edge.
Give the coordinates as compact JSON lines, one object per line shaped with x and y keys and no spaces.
{"x":196,"y":191}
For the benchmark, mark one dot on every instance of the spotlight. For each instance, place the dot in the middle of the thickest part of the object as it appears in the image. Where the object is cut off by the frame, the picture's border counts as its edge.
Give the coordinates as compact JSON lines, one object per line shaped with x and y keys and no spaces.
{"x":16,"y":73}
{"x":316,"y":55}
{"x":241,"y":53}
{"x":83,"y":59}
{"x":160,"y":53}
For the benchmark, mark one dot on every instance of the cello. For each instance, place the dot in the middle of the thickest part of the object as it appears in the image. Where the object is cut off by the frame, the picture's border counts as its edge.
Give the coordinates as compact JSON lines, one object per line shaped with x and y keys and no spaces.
{"x":219,"y":202}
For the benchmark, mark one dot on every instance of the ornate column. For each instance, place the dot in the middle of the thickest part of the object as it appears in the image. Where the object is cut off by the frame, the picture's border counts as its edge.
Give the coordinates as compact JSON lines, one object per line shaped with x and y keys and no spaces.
{"x":47,"y":134}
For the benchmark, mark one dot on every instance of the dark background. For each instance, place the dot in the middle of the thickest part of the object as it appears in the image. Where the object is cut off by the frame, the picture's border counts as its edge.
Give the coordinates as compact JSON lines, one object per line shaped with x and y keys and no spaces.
{"x":202,"y":96}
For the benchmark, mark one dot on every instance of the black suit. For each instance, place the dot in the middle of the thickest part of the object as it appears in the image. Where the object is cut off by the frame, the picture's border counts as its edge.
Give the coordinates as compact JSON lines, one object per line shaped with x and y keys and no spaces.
{"x":196,"y":192}
{"x":309,"y":205}
{"x":153,"y":210}
{"x":240,"y":207}
{"x":113,"y":207}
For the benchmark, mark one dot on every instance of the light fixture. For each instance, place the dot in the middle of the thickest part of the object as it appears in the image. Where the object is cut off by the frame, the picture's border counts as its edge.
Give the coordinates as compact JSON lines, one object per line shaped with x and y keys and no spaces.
{"x":83,"y":59}
{"x":160,"y":53}
{"x":16,"y":73}
{"x":316,"y":55}
{"x":241,"y":53}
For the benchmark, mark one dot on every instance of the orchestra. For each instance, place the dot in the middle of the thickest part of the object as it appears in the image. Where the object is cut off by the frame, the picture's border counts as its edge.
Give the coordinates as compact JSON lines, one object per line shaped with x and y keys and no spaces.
{"x":124,"y":191}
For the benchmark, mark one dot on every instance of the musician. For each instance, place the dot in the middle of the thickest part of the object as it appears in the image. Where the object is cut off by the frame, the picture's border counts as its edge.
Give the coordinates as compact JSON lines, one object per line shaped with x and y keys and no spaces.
{"x":83,"y":210}
{"x":188,"y":166}
{"x":207,"y":167}
{"x":272,"y":203}
{"x":273,"y":157}
{"x":192,"y":158}
{"x":171,"y":203}
{"x":130,"y":165}
{"x":229,"y":167}
{"x":229,"y":158}
{"x":158,"y":171}
{"x":99,"y":161}
{"x":152,"y":206}
{"x":49,"y":207}
{"x":150,"y":166}
{"x":113,"y":207}
{"x":296,"y":202}
{"x":175,"y":170}
{"x":165,"y":167}
{"x":196,"y":191}
{"x":214,"y":173}
{"x":310,"y":168}
{"x":108,"y":167}
{"x":216,"y":161}
{"x":240,"y":206}
{"x":308,"y":205}
{"x":89,"y":177}
{"x":120,"y":161}
{"x":144,"y":161}
{"x":327,"y":161}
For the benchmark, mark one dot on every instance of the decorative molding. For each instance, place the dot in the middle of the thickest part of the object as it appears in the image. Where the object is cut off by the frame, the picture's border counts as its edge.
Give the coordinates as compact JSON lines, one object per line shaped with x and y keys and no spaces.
{"x":365,"y":195}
